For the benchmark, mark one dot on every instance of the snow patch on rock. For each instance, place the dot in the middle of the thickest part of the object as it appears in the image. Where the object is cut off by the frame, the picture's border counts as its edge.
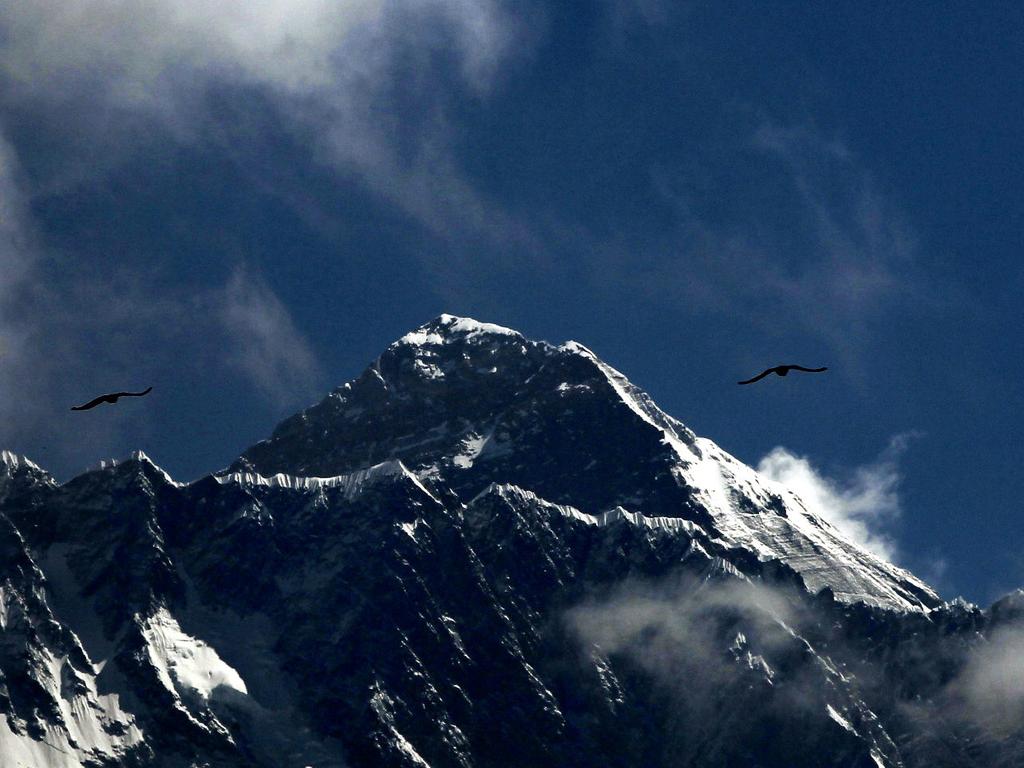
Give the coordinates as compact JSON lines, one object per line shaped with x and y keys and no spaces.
{"x":186,"y":665}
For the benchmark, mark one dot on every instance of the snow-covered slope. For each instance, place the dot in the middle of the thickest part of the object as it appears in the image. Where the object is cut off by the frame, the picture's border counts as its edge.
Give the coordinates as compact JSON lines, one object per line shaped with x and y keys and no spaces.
{"x":484,"y":551}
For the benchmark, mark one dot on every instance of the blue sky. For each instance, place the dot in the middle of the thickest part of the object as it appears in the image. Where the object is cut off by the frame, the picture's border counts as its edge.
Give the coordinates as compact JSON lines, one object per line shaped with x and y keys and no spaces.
{"x":243,"y":204}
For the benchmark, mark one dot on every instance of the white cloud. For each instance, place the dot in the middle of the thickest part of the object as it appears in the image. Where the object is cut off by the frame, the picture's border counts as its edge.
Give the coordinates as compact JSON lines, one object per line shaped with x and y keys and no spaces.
{"x":863,"y":505}
{"x":263,"y":342}
{"x":328,"y":71}
{"x":992,"y":683}
{"x":140,"y":53}
{"x":135,"y":49}
{"x":710,"y":650}
{"x":679,"y":630}
{"x":659,"y":622}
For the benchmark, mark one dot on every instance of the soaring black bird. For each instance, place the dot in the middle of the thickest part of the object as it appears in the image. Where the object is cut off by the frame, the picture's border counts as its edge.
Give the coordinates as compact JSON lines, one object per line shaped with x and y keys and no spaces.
{"x":782,"y":370}
{"x":111,"y":398}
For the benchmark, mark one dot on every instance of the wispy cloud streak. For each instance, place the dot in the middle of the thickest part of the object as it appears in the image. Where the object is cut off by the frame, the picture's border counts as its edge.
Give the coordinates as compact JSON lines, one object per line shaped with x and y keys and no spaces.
{"x":803,"y":240}
{"x":262,"y":341}
{"x":333,"y":74}
{"x":863,"y":505}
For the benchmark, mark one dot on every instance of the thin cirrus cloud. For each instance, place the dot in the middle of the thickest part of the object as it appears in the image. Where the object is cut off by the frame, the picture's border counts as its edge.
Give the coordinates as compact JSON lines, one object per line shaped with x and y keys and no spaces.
{"x":810,"y":243}
{"x":866,"y":250}
{"x":263,"y":342}
{"x":329,"y":71}
{"x":864,"y":505}
{"x":159,"y":53}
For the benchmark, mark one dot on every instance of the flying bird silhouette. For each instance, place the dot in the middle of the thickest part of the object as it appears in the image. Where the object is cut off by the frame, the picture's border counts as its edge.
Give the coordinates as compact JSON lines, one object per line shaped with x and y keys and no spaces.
{"x":782,"y":370}
{"x":111,"y":398}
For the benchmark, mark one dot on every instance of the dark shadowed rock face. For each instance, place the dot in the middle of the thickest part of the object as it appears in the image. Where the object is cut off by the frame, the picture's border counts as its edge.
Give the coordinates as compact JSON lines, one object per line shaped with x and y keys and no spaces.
{"x":484,"y":551}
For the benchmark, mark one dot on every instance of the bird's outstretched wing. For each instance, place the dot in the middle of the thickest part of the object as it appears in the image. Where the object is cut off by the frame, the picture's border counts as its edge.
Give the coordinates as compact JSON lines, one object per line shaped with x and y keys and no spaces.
{"x":111,"y":398}
{"x":134,"y":394}
{"x":809,"y":370}
{"x":756,"y":378}
{"x":91,"y":404}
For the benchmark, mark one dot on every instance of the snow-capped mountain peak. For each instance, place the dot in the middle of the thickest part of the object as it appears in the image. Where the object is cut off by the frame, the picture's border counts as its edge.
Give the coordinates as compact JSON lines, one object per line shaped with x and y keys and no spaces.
{"x":448,"y":328}
{"x":468,"y":404}
{"x":483,"y":551}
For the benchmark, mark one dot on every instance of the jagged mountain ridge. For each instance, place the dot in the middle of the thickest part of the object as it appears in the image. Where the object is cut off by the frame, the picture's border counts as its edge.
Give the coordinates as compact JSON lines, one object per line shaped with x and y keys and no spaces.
{"x":387,"y":581}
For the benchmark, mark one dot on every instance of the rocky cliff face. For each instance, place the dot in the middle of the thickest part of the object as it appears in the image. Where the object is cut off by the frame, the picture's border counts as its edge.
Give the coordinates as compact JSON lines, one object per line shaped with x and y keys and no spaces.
{"x":484,"y":551}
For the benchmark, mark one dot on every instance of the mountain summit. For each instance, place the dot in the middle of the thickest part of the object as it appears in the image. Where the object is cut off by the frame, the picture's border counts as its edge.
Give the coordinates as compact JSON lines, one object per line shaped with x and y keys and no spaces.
{"x":484,"y":551}
{"x":468,"y":404}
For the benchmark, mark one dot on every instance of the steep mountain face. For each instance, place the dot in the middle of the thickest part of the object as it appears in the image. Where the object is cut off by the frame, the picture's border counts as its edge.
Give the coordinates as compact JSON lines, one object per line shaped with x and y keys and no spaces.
{"x":484,"y":551}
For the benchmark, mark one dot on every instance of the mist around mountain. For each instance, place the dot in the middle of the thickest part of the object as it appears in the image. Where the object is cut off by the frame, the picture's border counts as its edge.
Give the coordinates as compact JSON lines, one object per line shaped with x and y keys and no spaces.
{"x":483,"y":551}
